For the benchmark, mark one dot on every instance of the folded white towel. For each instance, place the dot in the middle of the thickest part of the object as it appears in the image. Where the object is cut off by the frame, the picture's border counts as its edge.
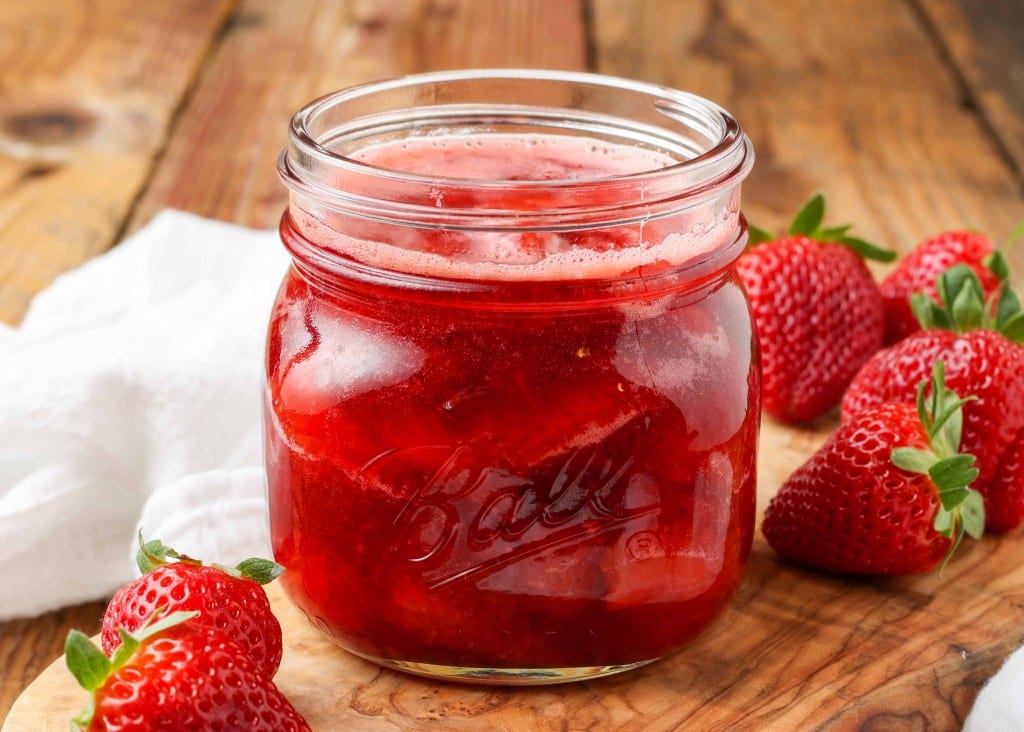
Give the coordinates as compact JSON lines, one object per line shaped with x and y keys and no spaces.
{"x":130,"y":397}
{"x":131,"y":390}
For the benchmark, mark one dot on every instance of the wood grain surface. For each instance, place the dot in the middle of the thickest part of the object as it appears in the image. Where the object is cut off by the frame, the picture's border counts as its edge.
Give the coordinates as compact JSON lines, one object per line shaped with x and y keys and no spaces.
{"x":87,"y":94}
{"x":907,"y":113}
{"x":982,"y":41}
{"x":797,"y":650}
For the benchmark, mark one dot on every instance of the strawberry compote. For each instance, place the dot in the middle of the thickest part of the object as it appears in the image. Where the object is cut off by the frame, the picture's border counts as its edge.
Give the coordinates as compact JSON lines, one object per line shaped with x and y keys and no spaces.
{"x":502,"y":447}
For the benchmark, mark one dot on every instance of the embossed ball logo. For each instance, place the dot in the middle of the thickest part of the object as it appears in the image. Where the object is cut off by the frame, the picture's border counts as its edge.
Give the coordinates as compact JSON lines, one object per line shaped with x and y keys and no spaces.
{"x":474,"y":515}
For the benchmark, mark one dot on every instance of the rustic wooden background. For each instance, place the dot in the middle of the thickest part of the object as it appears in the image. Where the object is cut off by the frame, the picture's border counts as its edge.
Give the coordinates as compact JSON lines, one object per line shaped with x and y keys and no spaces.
{"x":908,"y":113}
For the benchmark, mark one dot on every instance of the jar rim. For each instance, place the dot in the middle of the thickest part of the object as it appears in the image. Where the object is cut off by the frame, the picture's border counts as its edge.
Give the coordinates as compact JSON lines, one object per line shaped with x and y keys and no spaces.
{"x":731,"y":141}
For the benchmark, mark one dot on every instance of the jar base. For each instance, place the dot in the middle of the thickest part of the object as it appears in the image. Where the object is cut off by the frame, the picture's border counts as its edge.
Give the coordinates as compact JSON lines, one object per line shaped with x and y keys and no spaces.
{"x":504,"y":676}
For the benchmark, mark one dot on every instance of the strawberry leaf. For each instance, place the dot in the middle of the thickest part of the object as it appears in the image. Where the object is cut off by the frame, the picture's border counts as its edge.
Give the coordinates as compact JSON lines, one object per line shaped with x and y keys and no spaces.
{"x":969,"y":306}
{"x":84,"y":719}
{"x":912,"y":459}
{"x":950,"y":282}
{"x":944,"y":522}
{"x":952,"y":475}
{"x":925,"y":409}
{"x":943,"y":417}
{"x":162,"y":624}
{"x":867,"y":250}
{"x":938,"y":396}
{"x":1009,"y":306}
{"x":968,"y":516}
{"x":997,"y":263}
{"x":929,"y":313}
{"x":153,"y":554}
{"x":85,"y":661}
{"x":809,"y":218}
{"x":950,"y":426}
{"x":808,"y":223}
{"x":835,"y":233}
{"x":972,"y":513}
{"x":129,"y":644}
{"x":1013,"y":328}
{"x":260,"y":571}
{"x":758,"y":236}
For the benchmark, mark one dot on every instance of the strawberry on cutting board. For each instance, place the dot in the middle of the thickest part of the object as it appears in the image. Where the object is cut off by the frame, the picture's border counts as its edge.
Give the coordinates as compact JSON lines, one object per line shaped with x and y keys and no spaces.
{"x":979,"y":339}
{"x":918,"y":271}
{"x":174,"y":675}
{"x":887,"y":494}
{"x":818,"y":312}
{"x":230,"y":599}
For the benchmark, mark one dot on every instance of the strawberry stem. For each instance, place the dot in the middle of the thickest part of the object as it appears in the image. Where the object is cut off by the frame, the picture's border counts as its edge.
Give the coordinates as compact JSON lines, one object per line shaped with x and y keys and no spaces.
{"x":1015,"y":235}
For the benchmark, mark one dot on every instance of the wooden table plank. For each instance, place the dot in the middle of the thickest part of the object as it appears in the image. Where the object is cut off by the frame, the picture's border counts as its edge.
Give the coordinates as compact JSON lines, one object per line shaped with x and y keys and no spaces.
{"x":222,"y":158}
{"x":983,"y":39}
{"x":87,"y":92}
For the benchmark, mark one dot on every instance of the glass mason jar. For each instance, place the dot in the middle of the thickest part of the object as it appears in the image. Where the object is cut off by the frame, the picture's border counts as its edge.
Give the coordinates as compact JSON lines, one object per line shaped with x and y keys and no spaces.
{"x":512,"y":391}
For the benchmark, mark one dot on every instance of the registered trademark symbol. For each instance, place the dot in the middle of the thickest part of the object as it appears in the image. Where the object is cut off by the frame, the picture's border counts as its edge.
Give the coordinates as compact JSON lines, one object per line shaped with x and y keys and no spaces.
{"x":643,"y":545}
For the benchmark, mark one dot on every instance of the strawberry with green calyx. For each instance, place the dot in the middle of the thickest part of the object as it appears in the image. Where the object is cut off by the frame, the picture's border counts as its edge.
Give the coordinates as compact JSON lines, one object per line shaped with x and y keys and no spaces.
{"x":228,"y":598}
{"x":979,"y":338}
{"x":887,"y":494}
{"x":173,"y":674}
{"x":964,"y":304}
{"x":918,"y":271}
{"x":818,"y":311}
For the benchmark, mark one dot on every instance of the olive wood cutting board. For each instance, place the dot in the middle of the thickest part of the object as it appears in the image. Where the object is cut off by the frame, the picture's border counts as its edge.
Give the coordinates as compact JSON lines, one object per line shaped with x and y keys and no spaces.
{"x":796,"y":650}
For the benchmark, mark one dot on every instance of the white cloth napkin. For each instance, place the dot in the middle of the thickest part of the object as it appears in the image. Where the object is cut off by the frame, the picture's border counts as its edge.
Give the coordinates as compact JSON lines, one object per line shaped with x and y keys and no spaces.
{"x":129,"y":397}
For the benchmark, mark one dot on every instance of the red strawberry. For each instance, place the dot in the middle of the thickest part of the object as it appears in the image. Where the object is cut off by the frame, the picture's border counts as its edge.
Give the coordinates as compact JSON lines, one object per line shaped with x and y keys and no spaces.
{"x":229,"y":599}
{"x":818,"y":312}
{"x":1004,"y":495}
{"x":174,"y":675}
{"x":918,"y":271}
{"x":983,"y":357}
{"x":886,"y":494}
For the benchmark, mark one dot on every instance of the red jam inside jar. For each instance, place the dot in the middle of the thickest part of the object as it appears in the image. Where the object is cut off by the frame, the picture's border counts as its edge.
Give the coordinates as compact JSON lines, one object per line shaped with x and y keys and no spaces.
{"x":512,"y":392}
